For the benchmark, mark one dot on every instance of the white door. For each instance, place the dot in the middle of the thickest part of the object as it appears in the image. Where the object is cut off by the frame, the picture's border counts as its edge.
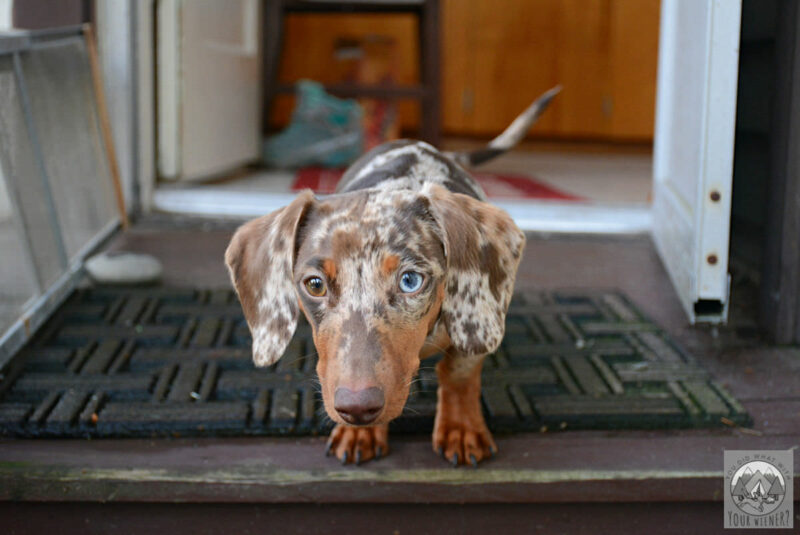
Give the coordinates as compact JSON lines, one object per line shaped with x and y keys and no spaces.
{"x":693,"y":153}
{"x":209,"y":87}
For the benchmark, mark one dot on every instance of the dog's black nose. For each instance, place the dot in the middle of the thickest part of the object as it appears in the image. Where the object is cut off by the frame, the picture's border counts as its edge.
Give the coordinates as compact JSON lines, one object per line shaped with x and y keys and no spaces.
{"x":358,"y":407}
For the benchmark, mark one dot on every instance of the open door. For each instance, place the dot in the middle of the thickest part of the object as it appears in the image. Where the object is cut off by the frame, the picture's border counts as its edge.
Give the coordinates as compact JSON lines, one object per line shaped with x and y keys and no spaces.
{"x":693,"y":153}
{"x":209,"y":87}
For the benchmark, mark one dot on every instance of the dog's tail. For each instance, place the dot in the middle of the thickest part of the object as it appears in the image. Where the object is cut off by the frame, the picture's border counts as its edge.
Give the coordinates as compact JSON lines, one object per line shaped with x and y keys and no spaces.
{"x":510,"y":136}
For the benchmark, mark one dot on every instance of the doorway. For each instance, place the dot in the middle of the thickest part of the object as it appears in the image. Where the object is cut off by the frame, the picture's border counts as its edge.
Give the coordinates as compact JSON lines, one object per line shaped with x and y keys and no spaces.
{"x":594,"y":146}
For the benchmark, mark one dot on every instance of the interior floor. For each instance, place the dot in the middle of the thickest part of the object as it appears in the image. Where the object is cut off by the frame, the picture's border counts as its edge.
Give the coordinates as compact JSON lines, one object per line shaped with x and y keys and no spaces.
{"x":609,"y":176}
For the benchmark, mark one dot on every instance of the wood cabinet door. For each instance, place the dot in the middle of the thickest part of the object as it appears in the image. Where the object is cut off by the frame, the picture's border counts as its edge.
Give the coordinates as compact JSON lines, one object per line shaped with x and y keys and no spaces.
{"x":498,"y":56}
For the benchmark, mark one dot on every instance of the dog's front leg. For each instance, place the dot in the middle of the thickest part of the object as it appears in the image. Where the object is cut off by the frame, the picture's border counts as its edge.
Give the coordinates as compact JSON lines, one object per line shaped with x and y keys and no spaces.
{"x":358,"y":444}
{"x":459,"y":432}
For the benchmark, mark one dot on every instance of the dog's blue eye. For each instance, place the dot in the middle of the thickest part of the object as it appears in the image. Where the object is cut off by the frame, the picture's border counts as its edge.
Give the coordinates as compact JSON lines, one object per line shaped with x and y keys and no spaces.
{"x":410,"y":281}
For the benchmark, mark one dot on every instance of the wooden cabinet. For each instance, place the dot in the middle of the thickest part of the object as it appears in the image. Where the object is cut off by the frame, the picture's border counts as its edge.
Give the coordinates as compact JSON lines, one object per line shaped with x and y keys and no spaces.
{"x":498,"y":55}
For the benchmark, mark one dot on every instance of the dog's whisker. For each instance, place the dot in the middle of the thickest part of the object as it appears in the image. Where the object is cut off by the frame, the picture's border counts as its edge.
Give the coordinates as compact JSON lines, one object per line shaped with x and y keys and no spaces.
{"x":411,"y":410}
{"x":293,"y":361}
{"x":414,"y":381}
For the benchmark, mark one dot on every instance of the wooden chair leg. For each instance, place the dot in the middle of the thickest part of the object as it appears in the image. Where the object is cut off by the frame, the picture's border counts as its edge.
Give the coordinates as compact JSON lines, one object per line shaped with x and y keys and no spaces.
{"x":429,"y":49}
{"x":272,"y":24}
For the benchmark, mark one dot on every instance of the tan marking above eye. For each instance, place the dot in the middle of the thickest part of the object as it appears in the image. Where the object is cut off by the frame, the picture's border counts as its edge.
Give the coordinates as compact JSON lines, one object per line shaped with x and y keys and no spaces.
{"x":329,"y":267}
{"x":315,"y":286}
{"x":390,"y":263}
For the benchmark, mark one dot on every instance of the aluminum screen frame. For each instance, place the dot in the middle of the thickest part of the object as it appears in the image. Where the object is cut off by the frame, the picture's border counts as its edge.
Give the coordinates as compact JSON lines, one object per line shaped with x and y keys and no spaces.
{"x":55,"y":166}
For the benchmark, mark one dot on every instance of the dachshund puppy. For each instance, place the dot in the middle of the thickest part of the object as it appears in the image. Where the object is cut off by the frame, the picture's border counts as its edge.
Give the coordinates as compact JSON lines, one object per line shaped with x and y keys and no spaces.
{"x":404,"y":261}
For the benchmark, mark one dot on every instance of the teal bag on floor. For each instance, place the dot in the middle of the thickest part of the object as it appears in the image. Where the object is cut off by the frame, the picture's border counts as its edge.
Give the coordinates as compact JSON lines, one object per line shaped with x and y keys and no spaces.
{"x":324,"y":130}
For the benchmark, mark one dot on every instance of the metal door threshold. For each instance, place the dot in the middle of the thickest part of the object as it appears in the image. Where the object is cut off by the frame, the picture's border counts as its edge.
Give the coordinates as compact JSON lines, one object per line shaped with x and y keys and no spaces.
{"x":536,"y":216}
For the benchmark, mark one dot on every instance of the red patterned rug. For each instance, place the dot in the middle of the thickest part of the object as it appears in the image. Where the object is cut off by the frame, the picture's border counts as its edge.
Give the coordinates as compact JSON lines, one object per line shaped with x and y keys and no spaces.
{"x":496,"y":186}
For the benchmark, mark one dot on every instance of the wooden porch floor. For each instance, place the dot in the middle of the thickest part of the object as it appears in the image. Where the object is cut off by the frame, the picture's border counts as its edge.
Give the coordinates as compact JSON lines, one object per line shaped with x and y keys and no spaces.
{"x":571,"y":481}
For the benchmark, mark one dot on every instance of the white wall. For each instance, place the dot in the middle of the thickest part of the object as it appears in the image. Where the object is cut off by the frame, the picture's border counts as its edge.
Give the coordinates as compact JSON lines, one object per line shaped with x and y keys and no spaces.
{"x":5,"y":202}
{"x":5,"y":14}
{"x":115,"y":48}
{"x":5,"y":24}
{"x":145,"y":101}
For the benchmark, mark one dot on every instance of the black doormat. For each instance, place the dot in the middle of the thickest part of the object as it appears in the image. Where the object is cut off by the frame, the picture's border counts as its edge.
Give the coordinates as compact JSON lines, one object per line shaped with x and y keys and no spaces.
{"x":176,"y":362}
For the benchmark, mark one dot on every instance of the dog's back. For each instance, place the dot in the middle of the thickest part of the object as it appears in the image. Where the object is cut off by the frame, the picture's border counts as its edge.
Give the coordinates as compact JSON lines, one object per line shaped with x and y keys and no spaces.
{"x":407,"y":164}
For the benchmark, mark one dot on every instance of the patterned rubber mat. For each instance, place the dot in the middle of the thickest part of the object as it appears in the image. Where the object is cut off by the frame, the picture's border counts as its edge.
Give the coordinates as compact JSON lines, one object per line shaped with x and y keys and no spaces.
{"x":175,"y":362}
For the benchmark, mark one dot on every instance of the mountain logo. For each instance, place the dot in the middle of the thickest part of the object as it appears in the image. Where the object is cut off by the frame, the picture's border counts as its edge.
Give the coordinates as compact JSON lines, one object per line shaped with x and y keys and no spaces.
{"x":758,"y":488}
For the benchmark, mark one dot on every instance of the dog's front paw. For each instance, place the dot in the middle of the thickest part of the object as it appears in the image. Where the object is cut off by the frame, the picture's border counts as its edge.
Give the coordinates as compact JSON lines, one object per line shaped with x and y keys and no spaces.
{"x":358,"y":444}
{"x":460,"y":434}
{"x":462,"y":440}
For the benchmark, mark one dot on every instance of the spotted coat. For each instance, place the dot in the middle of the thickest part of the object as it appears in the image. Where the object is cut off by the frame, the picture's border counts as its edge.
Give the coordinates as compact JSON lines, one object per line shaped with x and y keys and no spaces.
{"x":402,"y":207}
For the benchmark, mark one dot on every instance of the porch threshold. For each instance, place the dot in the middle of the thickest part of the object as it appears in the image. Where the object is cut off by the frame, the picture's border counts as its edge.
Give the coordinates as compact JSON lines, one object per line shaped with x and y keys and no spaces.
{"x":579,"y":466}
{"x":537,"y":216}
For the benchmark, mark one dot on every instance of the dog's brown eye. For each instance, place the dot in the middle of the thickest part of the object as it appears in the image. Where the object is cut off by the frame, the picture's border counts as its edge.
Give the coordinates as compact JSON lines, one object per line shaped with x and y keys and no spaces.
{"x":315,"y":286}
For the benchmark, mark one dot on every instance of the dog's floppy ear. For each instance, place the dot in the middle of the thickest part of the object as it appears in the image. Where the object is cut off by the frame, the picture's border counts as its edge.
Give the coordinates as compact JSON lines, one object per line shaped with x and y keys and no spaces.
{"x":483,"y":248}
{"x":260,"y":259}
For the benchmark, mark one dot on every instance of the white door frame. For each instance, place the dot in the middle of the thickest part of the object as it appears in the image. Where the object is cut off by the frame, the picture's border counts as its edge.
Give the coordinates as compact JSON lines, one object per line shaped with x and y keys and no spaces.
{"x":125,"y":35}
{"x":693,"y":145}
